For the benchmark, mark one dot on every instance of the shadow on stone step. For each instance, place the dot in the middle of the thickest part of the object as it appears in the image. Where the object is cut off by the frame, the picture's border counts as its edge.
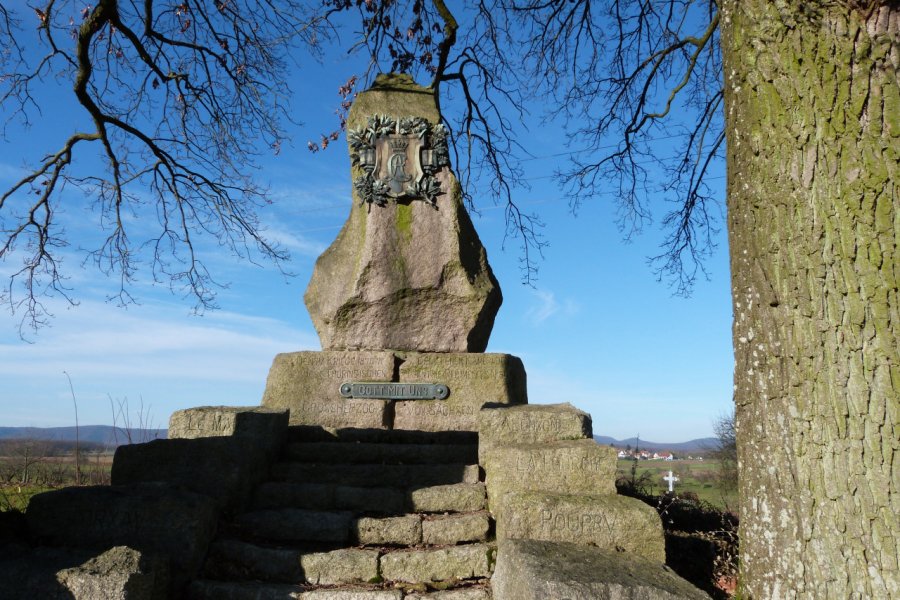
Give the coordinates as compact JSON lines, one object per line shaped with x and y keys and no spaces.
{"x":315,"y":433}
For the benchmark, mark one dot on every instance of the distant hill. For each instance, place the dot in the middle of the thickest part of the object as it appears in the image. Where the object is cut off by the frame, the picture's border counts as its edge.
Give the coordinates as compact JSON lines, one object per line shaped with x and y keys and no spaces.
{"x":698,"y":445}
{"x":99,"y":434}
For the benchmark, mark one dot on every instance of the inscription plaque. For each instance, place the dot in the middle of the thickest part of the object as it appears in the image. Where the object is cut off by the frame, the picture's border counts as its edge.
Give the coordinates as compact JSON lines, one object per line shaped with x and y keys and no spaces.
{"x":395,"y":391}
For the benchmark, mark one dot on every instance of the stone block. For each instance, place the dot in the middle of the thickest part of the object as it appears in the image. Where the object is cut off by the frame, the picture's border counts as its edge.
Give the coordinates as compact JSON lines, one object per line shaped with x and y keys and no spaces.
{"x":223,"y":468}
{"x":288,"y":494}
{"x":395,"y":453}
{"x":351,"y":594}
{"x":296,"y":525}
{"x":458,"y":497}
{"x":474,"y":379}
{"x":531,"y":423}
{"x":404,"y":275}
{"x":455,"y":528}
{"x":154,"y":519}
{"x":405,"y":476}
{"x":469,"y":593}
{"x":371,"y":500}
{"x":120,"y":573}
{"x":308,"y":384}
{"x":405,"y":530}
{"x":538,"y":570}
{"x":267,"y":426}
{"x":423,"y":566}
{"x":567,"y":467}
{"x":611,"y":522}
{"x":235,"y":559}
{"x":347,"y":565}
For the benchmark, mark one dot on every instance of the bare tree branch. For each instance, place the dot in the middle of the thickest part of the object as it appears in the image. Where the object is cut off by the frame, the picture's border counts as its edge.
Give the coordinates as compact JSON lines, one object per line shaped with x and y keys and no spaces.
{"x":177,"y":95}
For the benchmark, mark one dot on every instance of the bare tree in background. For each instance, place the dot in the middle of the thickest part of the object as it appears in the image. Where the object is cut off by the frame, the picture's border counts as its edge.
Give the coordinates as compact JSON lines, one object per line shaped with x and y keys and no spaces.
{"x":176,"y":99}
{"x":726,"y":451}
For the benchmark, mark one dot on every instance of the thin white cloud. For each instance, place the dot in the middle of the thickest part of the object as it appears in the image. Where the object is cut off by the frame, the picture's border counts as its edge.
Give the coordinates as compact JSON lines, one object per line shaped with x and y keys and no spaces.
{"x":156,"y":352}
{"x":547,"y":305}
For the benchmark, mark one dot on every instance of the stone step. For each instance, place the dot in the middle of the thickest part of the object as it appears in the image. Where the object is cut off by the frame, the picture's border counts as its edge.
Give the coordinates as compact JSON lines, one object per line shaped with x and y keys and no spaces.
{"x":205,"y":589}
{"x":239,"y":560}
{"x":226,"y":590}
{"x":381,"y":453}
{"x":470,"y":561}
{"x":300,"y":525}
{"x":458,"y":497}
{"x":315,"y":433}
{"x":400,"y":476}
{"x":295,"y":525}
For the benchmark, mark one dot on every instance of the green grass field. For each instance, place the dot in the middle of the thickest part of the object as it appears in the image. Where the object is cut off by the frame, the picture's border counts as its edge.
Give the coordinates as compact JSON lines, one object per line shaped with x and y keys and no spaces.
{"x":699,"y":477}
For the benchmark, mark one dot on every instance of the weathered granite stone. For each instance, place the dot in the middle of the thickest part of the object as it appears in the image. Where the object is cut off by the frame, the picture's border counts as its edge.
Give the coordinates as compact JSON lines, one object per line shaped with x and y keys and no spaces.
{"x":235,"y":559}
{"x":371,"y":500}
{"x":203,"y":589}
{"x":407,"y":275}
{"x":530,"y":423}
{"x":455,"y":528}
{"x":458,"y":497}
{"x":27,"y":572}
{"x":457,"y":562}
{"x":405,"y":530}
{"x":473,"y":379}
{"x":538,"y":570}
{"x":368,"y":452}
{"x":611,"y":522}
{"x":407,"y":476}
{"x":152,"y":518}
{"x":289,"y":494}
{"x":308,"y":383}
{"x":469,"y":593}
{"x":223,"y":468}
{"x":296,"y":524}
{"x":267,"y":426}
{"x":120,"y":573}
{"x":351,"y":594}
{"x":347,"y":565}
{"x":566,"y":467}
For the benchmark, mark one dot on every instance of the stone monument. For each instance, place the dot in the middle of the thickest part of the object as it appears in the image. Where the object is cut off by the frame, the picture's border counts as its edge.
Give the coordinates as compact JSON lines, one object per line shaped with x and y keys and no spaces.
{"x":407,"y":271}
{"x":400,"y":462}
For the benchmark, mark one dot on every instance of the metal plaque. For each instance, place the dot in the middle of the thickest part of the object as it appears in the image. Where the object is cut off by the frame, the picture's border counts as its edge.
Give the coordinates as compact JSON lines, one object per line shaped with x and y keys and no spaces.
{"x":395,"y":391}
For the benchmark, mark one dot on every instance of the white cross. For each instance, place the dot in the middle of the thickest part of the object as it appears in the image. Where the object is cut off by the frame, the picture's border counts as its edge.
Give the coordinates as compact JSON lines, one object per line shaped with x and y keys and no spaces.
{"x":671,"y":479}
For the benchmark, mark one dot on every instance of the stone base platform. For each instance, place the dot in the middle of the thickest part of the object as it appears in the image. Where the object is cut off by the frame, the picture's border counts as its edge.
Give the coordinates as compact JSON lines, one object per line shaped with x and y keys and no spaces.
{"x":309,"y":384}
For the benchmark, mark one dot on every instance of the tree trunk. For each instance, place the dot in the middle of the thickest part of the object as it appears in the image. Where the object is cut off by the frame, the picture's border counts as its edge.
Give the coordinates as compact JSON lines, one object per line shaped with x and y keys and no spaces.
{"x":813,"y":125}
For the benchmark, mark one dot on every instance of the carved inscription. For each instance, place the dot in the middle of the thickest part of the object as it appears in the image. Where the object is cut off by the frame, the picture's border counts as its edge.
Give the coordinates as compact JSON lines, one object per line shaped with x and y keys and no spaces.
{"x":531,"y":423}
{"x":556,"y":462}
{"x":345,"y":365}
{"x":451,"y":367}
{"x":580,"y":523}
{"x":218,"y":423}
{"x":341,"y":408}
{"x":436,"y":409}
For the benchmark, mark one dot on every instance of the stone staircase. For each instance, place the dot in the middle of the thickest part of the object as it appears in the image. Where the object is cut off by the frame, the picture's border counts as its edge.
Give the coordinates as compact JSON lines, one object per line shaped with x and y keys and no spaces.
{"x":362,"y":514}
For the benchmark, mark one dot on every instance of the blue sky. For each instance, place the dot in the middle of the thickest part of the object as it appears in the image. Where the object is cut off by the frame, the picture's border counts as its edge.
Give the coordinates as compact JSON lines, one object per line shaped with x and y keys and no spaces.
{"x":596,"y":330}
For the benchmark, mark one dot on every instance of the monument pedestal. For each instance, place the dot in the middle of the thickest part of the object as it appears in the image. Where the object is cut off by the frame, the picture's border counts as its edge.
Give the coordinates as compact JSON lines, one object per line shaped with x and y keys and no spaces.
{"x":309,"y":384}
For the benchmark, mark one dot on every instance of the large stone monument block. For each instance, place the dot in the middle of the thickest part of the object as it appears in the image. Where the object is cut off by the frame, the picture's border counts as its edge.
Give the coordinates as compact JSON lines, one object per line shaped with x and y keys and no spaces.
{"x":473,"y":380}
{"x":570,"y":467}
{"x":308,"y":383}
{"x":530,"y":424}
{"x":533,"y":570}
{"x":611,"y":522}
{"x":265,"y":426}
{"x":407,"y":271}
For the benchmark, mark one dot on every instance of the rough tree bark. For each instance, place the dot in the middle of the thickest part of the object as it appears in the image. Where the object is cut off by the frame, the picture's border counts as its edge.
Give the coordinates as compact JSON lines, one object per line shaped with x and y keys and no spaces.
{"x":813,"y":118}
